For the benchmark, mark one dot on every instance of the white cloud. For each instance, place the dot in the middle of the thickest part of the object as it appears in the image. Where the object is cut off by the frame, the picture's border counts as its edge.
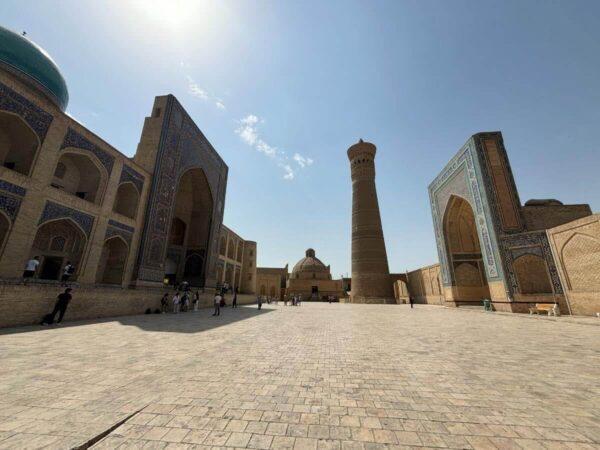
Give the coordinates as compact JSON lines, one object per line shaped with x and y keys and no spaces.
{"x":302,"y":161}
{"x":248,"y":132}
{"x":196,"y":90}
{"x":289,"y":172}
{"x":250,"y":120}
{"x":265,"y":148}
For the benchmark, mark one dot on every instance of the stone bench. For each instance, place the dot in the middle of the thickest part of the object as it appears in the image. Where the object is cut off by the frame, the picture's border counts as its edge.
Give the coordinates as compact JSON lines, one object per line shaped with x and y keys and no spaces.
{"x":550,"y":309}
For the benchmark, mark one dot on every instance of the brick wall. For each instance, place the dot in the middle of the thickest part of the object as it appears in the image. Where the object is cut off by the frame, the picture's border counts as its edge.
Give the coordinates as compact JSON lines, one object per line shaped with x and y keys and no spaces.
{"x":576,"y":250}
{"x":25,"y":305}
{"x":549,"y":216}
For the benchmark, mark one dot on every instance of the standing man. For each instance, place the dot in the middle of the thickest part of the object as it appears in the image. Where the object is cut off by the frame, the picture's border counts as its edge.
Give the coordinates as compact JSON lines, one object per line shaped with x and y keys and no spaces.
{"x":164,"y":301}
{"x":234,"y":301}
{"x":411,"y":301}
{"x":30,"y":268}
{"x":196,"y":300}
{"x":260,"y":302}
{"x":60,"y":307}
{"x":67,"y":272}
{"x":176,"y":301}
{"x":217,"y":303}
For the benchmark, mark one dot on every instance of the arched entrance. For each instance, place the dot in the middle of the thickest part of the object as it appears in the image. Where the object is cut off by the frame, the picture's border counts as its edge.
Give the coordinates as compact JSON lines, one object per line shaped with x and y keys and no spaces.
{"x":464,"y":252}
{"x":18,"y":143}
{"x":192,"y":272}
{"x":189,"y":233}
{"x":112,"y":261}
{"x":57,"y":243}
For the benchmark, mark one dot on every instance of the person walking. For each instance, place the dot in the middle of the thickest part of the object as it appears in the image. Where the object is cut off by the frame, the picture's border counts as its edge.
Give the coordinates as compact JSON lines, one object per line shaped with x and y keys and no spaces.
{"x":60,"y":307}
{"x":30,"y":268}
{"x":186,"y":301}
{"x":176,"y":302}
{"x":234,"y":301}
{"x":164,"y":301}
{"x":196,"y":300}
{"x":411,"y":301}
{"x":217,"y":303}
{"x":68,"y":270}
{"x":260,"y":301}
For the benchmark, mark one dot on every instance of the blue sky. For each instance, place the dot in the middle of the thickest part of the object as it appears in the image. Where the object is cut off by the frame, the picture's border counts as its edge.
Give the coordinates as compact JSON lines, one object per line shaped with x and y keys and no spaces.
{"x":266,"y":81}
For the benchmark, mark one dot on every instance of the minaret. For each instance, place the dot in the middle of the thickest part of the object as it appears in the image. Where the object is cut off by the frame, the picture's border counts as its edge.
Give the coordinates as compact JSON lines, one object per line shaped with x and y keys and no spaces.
{"x":371,"y":281}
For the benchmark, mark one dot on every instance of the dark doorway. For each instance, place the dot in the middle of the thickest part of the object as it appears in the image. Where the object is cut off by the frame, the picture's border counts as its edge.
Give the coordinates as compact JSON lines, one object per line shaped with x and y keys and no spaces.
{"x":315,"y":293}
{"x":51,"y":268}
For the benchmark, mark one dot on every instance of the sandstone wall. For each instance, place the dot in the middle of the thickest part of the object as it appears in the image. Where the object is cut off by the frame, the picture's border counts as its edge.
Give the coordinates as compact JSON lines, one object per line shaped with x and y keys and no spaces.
{"x":26,"y":305}
{"x":424,"y":285}
{"x":576,"y":250}
{"x":549,"y":216}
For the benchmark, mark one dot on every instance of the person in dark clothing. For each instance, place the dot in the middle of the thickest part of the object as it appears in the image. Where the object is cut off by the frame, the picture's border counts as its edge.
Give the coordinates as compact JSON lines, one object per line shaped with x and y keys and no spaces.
{"x":60,"y":307}
{"x":260,"y":302}
{"x":411,"y":301}
{"x":234,"y":301}
{"x":164,"y":302}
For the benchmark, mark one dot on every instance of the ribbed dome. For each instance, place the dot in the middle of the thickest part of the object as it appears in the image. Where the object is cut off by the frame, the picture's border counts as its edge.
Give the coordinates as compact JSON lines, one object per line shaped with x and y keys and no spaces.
{"x":26,"y":59}
{"x":310,"y":263}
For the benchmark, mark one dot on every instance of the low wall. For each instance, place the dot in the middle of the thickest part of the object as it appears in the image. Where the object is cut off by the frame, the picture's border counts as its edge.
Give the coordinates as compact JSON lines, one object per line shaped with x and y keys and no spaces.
{"x":26,"y":305}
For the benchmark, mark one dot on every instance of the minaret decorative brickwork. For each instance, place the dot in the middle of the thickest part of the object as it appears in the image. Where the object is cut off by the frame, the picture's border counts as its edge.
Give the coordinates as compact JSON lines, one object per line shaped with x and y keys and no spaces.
{"x":371,"y":281}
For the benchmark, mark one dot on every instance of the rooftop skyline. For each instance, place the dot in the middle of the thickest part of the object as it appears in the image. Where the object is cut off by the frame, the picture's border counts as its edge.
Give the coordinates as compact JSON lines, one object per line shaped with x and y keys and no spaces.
{"x":283,"y":89}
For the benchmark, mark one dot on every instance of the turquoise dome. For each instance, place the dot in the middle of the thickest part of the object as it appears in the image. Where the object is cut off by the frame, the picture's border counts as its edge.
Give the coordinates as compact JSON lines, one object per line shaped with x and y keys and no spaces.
{"x":24,"y":58}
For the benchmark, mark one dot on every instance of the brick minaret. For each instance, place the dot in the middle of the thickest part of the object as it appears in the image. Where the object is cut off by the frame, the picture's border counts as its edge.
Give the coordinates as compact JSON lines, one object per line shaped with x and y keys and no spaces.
{"x":370,"y":272}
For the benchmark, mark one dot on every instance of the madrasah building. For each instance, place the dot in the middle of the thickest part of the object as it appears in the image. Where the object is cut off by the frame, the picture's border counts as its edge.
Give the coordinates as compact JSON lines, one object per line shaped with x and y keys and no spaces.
{"x":66,"y":195}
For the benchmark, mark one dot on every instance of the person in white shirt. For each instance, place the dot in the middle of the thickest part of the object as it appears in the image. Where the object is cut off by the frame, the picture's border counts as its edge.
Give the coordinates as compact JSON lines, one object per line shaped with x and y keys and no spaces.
{"x":30,"y":268}
{"x":217,"y":303}
{"x":176,"y":301}
{"x":67,"y":272}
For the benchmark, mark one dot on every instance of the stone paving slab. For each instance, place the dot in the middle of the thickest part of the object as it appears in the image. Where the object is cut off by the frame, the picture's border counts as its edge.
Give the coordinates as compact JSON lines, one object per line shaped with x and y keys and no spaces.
{"x":319,"y":376}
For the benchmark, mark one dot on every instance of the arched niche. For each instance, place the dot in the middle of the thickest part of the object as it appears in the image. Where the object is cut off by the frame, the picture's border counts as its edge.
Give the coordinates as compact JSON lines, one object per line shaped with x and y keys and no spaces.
{"x":532,"y":275}
{"x":464,"y":251}
{"x":580,"y":257}
{"x":56,"y":243}
{"x":127,"y":199}
{"x":80,"y":174}
{"x":113,"y":261}
{"x":18,"y":143}
{"x":222,"y":245}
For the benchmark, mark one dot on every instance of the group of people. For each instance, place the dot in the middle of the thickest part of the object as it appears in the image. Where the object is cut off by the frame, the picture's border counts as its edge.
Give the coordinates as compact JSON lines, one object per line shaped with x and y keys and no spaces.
{"x":295,"y":300}
{"x":31,"y":267}
{"x":180,"y":302}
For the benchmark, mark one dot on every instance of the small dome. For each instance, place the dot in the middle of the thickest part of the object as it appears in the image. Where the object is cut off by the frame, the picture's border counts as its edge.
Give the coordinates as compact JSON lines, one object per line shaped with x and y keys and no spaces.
{"x":25,"y":59}
{"x":310,"y":263}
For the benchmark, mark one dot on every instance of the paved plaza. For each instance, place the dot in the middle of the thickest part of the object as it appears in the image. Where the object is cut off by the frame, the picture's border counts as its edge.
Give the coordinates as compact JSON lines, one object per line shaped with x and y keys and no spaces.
{"x":319,"y":376}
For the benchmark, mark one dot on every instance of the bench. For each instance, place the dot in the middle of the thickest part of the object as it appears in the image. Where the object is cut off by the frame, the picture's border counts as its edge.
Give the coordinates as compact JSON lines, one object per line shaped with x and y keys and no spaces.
{"x":550,"y":309}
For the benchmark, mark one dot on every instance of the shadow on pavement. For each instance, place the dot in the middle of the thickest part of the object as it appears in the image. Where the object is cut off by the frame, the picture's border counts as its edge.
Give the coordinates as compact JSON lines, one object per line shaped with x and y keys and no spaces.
{"x":187,"y":322}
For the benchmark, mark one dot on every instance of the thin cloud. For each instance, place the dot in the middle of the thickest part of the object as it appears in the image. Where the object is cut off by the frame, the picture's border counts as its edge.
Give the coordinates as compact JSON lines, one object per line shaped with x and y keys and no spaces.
{"x":302,"y":161}
{"x":249,"y":134}
{"x":195,"y":90}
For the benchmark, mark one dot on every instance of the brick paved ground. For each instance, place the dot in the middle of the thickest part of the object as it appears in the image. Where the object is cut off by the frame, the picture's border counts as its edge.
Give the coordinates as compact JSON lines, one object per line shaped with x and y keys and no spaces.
{"x":314,"y":377}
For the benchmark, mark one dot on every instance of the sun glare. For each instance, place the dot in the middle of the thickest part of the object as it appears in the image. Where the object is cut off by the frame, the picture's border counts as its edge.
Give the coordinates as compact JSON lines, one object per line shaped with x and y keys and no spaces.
{"x":172,"y":14}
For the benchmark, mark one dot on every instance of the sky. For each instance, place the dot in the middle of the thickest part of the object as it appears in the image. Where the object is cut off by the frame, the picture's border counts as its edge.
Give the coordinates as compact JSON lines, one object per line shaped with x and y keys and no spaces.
{"x":282,"y":89}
